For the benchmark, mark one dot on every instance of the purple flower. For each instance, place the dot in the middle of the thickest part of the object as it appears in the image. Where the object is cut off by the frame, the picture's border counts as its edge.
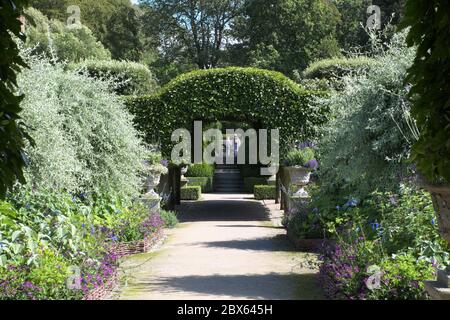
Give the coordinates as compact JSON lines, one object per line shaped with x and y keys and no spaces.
{"x":306,"y":144}
{"x":164,"y":162}
{"x":312,"y":164}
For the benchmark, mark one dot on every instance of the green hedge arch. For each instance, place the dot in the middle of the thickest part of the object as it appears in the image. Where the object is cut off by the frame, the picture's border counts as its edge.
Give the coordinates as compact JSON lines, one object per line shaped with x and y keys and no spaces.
{"x":264,"y":98}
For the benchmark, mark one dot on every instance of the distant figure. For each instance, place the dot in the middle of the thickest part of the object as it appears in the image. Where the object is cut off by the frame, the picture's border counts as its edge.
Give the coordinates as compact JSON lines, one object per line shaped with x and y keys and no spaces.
{"x":237,"y":145}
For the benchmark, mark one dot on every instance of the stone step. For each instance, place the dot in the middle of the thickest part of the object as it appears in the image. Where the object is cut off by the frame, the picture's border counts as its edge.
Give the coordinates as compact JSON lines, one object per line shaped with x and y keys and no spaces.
{"x":227,"y":171}
{"x":228,"y":190}
{"x":227,"y":177}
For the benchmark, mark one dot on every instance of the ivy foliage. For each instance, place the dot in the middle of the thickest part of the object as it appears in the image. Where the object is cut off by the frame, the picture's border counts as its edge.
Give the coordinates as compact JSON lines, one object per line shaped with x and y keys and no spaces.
{"x":266,"y":99}
{"x":12,"y":135}
{"x":429,"y":75}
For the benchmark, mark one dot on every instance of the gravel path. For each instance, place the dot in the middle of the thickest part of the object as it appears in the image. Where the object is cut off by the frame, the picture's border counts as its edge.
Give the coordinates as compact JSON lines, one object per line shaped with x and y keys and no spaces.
{"x":227,"y":247}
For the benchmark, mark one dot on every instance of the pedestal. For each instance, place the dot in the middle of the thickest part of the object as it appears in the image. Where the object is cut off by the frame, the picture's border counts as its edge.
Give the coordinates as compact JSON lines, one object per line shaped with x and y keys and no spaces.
{"x":440,"y":289}
{"x":151,"y":201}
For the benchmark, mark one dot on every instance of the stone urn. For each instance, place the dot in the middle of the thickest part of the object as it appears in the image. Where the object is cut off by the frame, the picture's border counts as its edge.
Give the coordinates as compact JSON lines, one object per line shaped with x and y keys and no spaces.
{"x":299,"y":176}
{"x":440,"y":194}
{"x":151,"y":183}
{"x":151,"y":198}
{"x":183,"y":179}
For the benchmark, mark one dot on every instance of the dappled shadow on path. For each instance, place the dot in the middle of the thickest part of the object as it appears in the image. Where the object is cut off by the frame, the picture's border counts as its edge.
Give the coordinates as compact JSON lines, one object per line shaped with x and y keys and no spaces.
{"x":224,"y":210}
{"x":247,"y":226}
{"x":251,"y":286}
{"x":273,"y":244}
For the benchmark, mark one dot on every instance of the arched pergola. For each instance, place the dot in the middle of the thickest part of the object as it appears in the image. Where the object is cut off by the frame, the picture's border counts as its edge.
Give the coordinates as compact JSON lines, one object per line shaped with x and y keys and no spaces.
{"x":267,"y":99}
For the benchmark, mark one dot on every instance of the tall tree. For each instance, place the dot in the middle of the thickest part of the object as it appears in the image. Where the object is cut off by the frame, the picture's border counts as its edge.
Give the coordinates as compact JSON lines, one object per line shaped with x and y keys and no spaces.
{"x":287,"y":34}
{"x":68,"y":44}
{"x":198,"y":28}
{"x":113,"y":22}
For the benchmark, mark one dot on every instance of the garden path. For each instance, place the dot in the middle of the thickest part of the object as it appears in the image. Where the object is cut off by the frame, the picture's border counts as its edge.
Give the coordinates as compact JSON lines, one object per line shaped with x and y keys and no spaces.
{"x":226,"y":247}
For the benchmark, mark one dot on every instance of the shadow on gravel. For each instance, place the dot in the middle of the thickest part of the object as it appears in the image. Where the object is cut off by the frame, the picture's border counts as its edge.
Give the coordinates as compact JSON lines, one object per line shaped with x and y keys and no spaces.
{"x":272,"y":286}
{"x":223,"y":210}
{"x":272,"y":244}
{"x":247,"y":226}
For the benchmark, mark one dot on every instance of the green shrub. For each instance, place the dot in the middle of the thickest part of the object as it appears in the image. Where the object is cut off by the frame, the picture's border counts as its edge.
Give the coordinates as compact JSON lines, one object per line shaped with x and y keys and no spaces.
{"x":334,"y":68}
{"x":43,"y":233}
{"x":250,"y":182}
{"x":191,"y":193}
{"x":366,"y":144}
{"x":252,"y":94}
{"x":169,"y":218}
{"x":263,"y":192}
{"x":50,"y":37}
{"x":200,"y":170}
{"x":85,"y":139}
{"x":130,"y":78}
{"x":430,"y":92}
{"x":206,"y":183}
{"x":299,"y":157}
{"x":403,"y":278}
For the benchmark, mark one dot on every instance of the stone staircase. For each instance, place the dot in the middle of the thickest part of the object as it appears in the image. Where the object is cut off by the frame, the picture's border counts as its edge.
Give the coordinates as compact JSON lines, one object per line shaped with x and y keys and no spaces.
{"x":227,"y":179}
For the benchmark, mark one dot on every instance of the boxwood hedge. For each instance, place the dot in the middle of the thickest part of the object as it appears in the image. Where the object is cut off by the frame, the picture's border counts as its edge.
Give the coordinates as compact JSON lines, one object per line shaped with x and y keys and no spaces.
{"x":266,"y":99}
{"x":200,"y":170}
{"x":191,"y":193}
{"x":250,"y":182}
{"x":265,"y":192}
{"x":206,"y":183}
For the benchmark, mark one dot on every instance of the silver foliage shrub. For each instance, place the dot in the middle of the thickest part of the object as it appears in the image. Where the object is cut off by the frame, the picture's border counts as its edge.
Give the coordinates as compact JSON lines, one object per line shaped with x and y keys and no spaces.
{"x":85,"y":140}
{"x":370,"y":136}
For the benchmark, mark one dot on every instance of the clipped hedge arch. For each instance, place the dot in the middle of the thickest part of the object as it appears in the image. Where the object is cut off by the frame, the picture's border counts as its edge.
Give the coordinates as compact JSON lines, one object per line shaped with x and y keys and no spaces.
{"x":265,"y":98}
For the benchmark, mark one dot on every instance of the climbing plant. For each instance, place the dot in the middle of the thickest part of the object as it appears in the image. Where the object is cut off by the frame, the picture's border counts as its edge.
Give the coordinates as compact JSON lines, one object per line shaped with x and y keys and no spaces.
{"x":429,"y":24}
{"x":267,"y":99}
{"x":12,"y":158}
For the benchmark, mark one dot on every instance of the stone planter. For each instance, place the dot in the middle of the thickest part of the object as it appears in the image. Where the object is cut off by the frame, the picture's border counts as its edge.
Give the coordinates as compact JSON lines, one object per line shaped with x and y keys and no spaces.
{"x":441,"y":202}
{"x":299,"y":177}
{"x":440,"y":194}
{"x":151,"y":199}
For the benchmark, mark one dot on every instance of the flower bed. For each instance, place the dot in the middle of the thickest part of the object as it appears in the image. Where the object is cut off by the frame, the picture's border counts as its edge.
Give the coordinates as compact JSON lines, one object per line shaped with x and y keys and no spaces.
{"x":135,"y":247}
{"x":104,"y":288}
